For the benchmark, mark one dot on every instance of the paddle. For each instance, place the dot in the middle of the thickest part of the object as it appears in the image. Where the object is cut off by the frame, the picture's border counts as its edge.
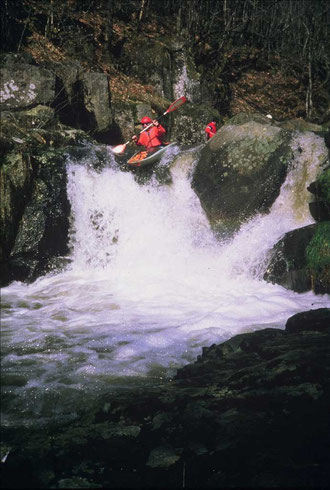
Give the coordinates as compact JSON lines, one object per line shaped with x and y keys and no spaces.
{"x":177,"y":103}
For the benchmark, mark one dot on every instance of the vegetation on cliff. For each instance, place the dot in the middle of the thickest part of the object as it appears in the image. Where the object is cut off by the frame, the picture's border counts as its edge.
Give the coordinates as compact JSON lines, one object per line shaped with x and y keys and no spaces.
{"x":266,"y":56}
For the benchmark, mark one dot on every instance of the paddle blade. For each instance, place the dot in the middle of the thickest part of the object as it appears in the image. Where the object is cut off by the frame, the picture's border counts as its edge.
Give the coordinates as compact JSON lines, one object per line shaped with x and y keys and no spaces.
{"x":118,"y":149}
{"x":177,"y":103}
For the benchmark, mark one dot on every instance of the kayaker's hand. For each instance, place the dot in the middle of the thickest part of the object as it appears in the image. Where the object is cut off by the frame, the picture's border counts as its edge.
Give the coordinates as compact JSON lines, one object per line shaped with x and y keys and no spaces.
{"x":134,"y":138}
{"x":155,"y":123}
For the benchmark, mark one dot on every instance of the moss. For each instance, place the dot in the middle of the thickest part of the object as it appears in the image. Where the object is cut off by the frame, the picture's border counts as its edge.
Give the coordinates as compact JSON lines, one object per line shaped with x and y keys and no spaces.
{"x":318,"y":250}
{"x":323,"y":183}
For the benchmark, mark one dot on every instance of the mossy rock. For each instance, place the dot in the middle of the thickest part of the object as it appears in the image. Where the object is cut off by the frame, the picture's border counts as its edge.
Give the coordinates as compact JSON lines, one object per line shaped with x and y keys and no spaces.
{"x":244,"y":117}
{"x":301,"y":125}
{"x":240,"y":172}
{"x":320,"y":208}
{"x":318,"y":258}
{"x":301,"y":260}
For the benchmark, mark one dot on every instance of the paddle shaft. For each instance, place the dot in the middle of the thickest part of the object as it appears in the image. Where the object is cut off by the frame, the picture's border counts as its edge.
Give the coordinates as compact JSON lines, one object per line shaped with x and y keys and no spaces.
{"x":149,"y":126}
{"x":177,"y":103}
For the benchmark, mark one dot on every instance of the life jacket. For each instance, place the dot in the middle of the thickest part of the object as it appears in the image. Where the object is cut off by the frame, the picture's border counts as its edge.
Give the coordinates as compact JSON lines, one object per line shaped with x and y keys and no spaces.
{"x":210,"y":130}
{"x":152,"y":137}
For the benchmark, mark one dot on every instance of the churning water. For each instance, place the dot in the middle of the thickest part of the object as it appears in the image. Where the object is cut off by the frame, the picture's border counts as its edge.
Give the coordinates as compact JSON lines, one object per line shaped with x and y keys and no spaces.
{"x":148,"y":286}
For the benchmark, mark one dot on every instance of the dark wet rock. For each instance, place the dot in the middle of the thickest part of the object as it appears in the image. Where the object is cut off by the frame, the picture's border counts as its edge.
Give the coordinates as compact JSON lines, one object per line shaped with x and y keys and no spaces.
{"x":313,"y":320}
{"x":96,"y":98}
{"x":79,"y":98}
{"x":240,"y":172}
{"x":288,"y":264}
{"x":327,"y":139}
{"x":83,"y":100}
{"x":165,"y":64}
{"x":42,"y":234}
{"x":320,"y":208}
{"x":163,"y":457}
{"x":38,"y":117}
{"x":16,"y":176}
{"x":300,"y":260}
{"x":77,"y":482}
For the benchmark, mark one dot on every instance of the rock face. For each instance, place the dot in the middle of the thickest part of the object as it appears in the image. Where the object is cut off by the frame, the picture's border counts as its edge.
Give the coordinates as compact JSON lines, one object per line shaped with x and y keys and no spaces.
{"x":151,"y":64}
{"x":24,"y":85}
{"x":16,"y":176}
{"x":320,"y":207}
{"x":80,"y":99}
{"x":240,"y":172}
{"x":90,"y":108}
{"x":187,"y":126}
{"x":42,"y":234}
{"x":309,"y":321}
{"x":301,"y":260}
{"x":252,"y":412}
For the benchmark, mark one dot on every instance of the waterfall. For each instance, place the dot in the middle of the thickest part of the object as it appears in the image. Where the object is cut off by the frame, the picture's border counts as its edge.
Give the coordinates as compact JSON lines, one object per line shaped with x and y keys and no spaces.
{"x":147,"y":287}
{"x":249,"y":251}
{"x":185,"y":81}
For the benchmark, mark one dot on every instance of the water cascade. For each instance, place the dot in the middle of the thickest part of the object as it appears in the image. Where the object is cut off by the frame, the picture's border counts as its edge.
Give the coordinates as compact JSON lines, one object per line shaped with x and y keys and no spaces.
{"x":186,"y":80}
{"x":147,"y":287}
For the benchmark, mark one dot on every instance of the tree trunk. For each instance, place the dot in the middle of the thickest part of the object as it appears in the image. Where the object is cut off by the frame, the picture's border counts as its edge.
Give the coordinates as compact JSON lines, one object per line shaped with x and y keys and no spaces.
{"x":309,"y":99}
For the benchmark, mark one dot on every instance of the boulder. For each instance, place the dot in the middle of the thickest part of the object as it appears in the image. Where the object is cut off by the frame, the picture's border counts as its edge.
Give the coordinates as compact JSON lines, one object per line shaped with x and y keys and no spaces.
{"x":320,"y":207}
{"x":24,"y":85}
{"x":16,"y":174}
{"x":83,"y":100}
{"x":165,"y":65}
{"x":96,"y":97}
{"x":66,"y":79}
{"x":42,"y":234}
{"x":309,"y":321}
{"x":327,"y":139}
{"x":301,"y":260}
{"x":240,"y":172}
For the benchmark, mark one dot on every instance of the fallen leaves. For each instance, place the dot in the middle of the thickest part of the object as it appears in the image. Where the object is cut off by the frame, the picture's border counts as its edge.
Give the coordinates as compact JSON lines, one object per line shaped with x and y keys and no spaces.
{"x":267,"y":92}
{"x":42,"y":49}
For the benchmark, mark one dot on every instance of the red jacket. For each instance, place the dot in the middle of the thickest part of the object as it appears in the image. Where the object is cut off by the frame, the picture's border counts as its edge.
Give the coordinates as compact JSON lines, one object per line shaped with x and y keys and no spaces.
{"x":152,"y":137}
{"x":210,"y":130}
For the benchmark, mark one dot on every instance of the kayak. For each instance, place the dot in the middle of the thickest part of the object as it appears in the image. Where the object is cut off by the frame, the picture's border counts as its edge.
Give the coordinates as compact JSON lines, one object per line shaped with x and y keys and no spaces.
{"x":144,"y":158}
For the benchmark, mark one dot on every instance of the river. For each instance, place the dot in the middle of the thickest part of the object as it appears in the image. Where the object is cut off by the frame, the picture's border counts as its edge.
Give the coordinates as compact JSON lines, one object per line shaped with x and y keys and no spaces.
{"x":148,"y":285}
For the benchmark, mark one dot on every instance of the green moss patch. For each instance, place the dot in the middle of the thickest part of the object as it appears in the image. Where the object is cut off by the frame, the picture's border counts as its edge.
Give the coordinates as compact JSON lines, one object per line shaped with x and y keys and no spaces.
{"x":323,"y":183}
{"x":318,"y":250}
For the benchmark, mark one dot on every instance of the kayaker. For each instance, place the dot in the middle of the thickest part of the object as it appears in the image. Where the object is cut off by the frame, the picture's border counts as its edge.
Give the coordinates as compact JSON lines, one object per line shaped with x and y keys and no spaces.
{"x":210,"y":130}
{"x":152,"y":137}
